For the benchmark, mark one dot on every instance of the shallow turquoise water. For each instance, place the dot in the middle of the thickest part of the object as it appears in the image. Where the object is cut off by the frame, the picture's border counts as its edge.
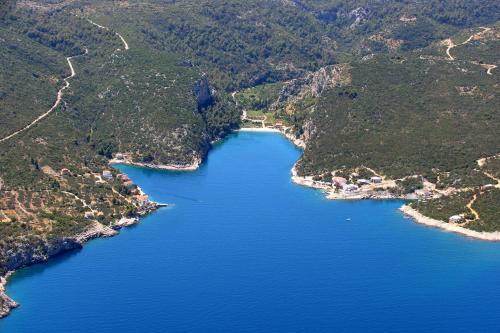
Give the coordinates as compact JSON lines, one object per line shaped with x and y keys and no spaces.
{"x":245,"y":250}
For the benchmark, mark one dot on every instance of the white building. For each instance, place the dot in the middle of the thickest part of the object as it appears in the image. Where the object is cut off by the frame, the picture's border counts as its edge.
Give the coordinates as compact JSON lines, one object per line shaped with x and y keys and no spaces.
{"x":423,"y":194}
{"x":339,"y":182}
{"x":350,"y":188}
{"x":106,"y":174}
{"x":376,"y":180}
{"x":362,"y":182}
{"x":456,"y":219}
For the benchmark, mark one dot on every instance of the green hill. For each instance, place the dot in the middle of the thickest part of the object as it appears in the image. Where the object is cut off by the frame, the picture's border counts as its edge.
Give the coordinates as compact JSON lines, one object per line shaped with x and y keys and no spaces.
{"x":364,"y":83}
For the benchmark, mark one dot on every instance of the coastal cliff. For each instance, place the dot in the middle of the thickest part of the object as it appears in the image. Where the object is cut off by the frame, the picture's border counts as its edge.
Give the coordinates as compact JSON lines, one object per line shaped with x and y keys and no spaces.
{"x":203,"y":92}
{"x":27,"y":252}
{"x":6,"y":303}
{"x":347,"y":113}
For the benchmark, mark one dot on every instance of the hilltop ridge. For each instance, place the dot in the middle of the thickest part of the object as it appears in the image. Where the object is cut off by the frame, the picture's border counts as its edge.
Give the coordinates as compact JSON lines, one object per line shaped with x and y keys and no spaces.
{"x":400,"y":90}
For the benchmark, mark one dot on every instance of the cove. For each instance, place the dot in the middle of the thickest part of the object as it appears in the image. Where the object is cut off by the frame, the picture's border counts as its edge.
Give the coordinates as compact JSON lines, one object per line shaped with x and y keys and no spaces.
{"x":243,"y":249}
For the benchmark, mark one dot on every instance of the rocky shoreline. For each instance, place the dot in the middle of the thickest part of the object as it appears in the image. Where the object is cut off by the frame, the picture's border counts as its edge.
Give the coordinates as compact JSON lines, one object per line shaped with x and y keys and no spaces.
{"x":405,"y":209}
{"x":422,"y":219}
{"x":6,"y":303}
{"x":327,"y":187}
{"x":298,"y":142}
{"x":96,"y":230}
{"x":361,"y":194}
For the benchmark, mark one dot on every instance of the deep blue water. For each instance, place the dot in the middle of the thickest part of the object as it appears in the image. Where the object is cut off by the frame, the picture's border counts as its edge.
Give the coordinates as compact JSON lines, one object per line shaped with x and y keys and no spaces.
{"x":245,"y":250}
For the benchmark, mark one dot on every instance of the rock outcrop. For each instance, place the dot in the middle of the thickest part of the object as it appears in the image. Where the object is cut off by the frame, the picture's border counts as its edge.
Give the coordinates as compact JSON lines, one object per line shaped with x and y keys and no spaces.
{"x":315,"y":83}
{"x":95,"y":231}
{"x":203,"y":93}
{"x":26,"y":252}
{"x":358,"y":16}
{"x":6,"y":303}
{"x":39,"y":249}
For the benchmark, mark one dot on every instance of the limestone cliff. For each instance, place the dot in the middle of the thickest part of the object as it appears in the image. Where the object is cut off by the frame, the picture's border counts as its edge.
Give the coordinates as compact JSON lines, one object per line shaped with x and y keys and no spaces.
{"x":203,"y":92}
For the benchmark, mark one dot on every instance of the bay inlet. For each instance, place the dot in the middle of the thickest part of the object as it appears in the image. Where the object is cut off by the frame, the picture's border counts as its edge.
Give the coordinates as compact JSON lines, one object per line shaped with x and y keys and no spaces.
{"x":243,"y":249}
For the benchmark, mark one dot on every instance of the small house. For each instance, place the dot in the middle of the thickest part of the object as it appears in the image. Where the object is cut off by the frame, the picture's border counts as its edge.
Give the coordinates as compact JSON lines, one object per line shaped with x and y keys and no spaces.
{"x":119,"y":156}
{"x":89,"y":215}
{"x":123,"y":178}
{"x":129,"y":184}
{"x":142,"y":200}
{"x":449,"y":190}
{"x":362,"y":182}
{"x":376,"y":180}
{"x":65,"y":172}
{"x":423,"y":194}
{"x":456,"y":219}
{"x":106,"y":174}
{"x":339,"y":182}
{"x":350,"y":188}
{"x":408,"y":19}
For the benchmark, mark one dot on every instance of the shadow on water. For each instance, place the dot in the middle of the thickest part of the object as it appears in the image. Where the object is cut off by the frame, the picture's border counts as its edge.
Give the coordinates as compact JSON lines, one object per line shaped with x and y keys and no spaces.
{"x":39,"y":268}
{"x":260,"y":255}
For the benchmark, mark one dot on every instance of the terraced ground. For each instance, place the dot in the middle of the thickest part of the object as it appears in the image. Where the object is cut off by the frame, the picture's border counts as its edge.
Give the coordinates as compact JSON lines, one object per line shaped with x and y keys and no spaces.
{"x":368,"y":85}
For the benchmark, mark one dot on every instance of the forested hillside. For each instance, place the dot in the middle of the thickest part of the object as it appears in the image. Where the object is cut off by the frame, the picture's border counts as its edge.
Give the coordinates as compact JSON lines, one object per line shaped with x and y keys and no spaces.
{"x":425,"y":118}
{"x":403,"y":88}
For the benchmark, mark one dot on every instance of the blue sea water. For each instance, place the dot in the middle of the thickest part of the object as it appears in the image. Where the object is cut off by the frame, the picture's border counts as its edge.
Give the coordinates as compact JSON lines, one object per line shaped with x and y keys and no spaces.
{"x":245,"y":250}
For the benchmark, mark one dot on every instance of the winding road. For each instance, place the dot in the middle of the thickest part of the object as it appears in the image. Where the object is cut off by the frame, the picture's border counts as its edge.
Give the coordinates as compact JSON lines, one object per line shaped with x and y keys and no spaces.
{"x":472,"y":210}
{"x":481,"y":163}
{"x":56,"y":103}
{"x":125,"y":44}
{"x":489,"y":68}
{"x":451,"y":45}
{"x":64,"y":87}
{"x":85,"y":204}
{"x":244,"y":115}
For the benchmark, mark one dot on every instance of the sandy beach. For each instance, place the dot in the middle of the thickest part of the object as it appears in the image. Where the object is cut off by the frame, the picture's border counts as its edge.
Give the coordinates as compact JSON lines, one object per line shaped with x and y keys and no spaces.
{"x":298,"y":142}
{"x":172,"y":167}
{"x":258,"y":129}
{"x":406,"y":209}
{"x":419,"y":218}
{"x":308,"y":181}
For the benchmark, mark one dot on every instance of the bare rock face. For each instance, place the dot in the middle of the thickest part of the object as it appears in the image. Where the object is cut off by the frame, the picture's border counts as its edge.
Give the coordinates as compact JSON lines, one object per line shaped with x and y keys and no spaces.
{"x":27,"y":252}
{"x":6,"y":303}
{"x":203,"y":93}
{"x":294,"y":88}
{"x":316,"y":83}
{"x":358,"y":16}
{"x":309,"y":131}
{"x":329,"y":77}
{"x":94,"y":231}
